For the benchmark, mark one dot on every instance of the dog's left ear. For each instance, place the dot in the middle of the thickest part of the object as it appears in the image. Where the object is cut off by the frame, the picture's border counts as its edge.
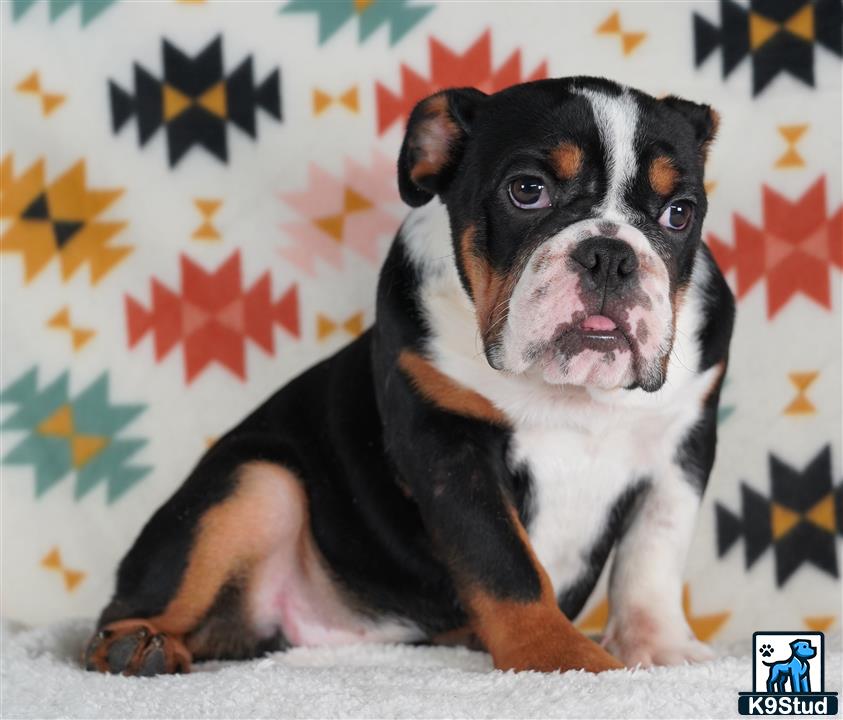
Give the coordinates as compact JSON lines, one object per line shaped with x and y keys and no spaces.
{"x":437,"y":131}
{"x":703,"y":118}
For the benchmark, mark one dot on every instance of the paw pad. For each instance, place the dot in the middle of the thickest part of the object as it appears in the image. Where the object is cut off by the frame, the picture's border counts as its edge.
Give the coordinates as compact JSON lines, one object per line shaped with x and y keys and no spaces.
{"x":766,"y":650}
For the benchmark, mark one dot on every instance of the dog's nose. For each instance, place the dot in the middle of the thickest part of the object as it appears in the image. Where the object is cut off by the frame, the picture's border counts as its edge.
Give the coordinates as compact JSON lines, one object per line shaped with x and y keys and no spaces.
{"x":607,"y":262}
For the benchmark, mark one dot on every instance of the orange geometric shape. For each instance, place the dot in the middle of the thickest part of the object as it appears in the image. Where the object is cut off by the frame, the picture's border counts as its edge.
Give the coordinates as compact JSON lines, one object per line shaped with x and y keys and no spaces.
{"x":332,"y":225}
{"x":174,"y":102}
{"x":61,"y":320}
{"x":823,"y":514}
{"x":72,"y":578}
{"x":801,"y":405}
{"x":324,"y":326}
{"x":820,"y":623}
{"x":208,"y":207}
{"x":31,"y":84}
{"x":215,"y":100}
{"x":79,"y":336}
{"x":350,"y":99}
{"x":761,"y":29}
{"x":611,"y":25}
{"x":801,"y":23}
{"x":632,"y":40}
{"x":52,"y":560}
{"x":791,"y":157}
{"x":84,"y":447}
{"x":321,"y":101}
{"x":704,"y":626}
{"x":595,"y":622}
{"x":59,"y":424}
{"x":354,"y":325}
{"x":360,"y":6}
{"x":782,"y":520}
{"x":355,"y":202}
{"x":629,"y":40}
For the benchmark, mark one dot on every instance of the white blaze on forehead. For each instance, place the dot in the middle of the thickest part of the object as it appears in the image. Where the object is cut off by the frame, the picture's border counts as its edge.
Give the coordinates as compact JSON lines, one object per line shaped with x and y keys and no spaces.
{"x":617,"y":118}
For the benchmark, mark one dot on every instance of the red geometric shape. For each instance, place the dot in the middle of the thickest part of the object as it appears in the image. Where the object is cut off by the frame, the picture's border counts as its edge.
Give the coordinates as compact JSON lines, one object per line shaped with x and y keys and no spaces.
{"x":212,"y":317}
{"x":794,"y":250}
{"x":451,"y":69}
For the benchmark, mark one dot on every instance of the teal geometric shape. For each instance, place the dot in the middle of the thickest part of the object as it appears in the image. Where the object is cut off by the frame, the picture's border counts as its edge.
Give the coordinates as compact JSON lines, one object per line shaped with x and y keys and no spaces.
{"x":90,"y":9}
{"x":724,"y":411}
{"x":93,"y":415}
{"x":399,"y":15}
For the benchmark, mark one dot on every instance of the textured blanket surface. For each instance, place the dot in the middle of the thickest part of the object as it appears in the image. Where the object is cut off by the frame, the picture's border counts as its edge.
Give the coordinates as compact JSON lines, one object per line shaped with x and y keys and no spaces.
{"x":41,"y":678}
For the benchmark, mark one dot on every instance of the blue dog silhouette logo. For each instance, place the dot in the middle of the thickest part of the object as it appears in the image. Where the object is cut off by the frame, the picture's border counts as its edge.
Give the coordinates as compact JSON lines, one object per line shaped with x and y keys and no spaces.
{"x":794,"y":674}
{"x":788,"y":676}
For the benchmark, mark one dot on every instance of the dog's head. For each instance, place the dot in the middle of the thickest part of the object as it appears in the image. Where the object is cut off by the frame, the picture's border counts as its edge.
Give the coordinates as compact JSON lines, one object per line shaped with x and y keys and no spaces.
{"x":803,"y":649}
{"x":576,"y":207}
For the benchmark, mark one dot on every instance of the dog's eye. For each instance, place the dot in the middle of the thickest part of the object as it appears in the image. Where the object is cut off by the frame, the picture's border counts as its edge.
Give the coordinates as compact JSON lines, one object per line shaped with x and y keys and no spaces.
{"x":528,"y":192}
{"x":677,"y":215}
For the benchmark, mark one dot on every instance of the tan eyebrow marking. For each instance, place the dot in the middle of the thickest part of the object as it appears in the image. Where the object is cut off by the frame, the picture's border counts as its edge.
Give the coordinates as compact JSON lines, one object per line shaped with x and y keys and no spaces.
{"x":663,"y":175}
{"x":567,"y":159}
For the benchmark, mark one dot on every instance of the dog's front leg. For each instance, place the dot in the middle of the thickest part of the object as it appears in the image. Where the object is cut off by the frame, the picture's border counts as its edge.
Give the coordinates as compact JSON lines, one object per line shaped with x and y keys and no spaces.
{"x":476,"y":531}
{"x":647,"y":624}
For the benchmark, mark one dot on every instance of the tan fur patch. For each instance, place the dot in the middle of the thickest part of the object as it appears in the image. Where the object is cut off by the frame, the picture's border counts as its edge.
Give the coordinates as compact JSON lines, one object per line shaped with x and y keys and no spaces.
{"x":533,"y":635}
{"x":715,"y":126}
{"x":663,"y":175}
{"x":446,"y":392}
{"x":490,"y":291}
{"x":433,"y":139}
{"x":230,"y":538}
{"x":715,"y":383}
{"x":567,"y":159}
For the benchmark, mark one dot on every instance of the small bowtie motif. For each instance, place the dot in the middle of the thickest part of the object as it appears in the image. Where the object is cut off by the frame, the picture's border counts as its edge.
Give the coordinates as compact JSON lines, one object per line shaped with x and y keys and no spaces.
{"x":348,"y":99}
{"x":792,"y":134}
{"x":629,"y":40}
{"x":801,"y":404}
{"x":207,"y":207}
{"x":79,"y":336}
{"x":52,"y":561}
{"x":325,"y":326}
{"x":31,"y":85}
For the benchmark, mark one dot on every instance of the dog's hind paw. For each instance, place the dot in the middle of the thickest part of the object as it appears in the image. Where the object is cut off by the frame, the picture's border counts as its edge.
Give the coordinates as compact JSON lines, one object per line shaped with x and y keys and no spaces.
{"x":135,"y":647}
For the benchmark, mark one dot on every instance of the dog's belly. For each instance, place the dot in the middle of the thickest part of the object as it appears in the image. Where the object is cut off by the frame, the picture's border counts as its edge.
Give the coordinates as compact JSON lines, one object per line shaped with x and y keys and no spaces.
{"x":577,"y":478}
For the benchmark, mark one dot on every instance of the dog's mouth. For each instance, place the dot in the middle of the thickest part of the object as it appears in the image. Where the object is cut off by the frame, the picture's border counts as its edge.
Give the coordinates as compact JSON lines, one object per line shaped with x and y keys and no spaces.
{"x":595,"y":332}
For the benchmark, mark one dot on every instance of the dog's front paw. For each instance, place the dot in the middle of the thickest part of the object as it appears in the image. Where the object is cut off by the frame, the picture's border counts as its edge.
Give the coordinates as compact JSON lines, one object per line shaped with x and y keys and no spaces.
{"x":135,"y":647}
{"x":641,"y":640}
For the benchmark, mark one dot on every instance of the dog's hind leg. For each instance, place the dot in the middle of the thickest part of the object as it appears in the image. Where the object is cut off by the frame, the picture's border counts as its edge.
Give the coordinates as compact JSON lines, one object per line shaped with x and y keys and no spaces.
{"x":183,"y":589}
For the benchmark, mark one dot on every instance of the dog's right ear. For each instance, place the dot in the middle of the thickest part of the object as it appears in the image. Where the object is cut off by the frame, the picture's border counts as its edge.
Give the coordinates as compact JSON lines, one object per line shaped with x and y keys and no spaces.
{"x":433,"y":144}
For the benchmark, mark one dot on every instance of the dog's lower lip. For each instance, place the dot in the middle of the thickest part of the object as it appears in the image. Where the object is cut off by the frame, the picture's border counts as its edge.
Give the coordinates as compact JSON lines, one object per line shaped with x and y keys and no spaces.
{"x":598,"y":323}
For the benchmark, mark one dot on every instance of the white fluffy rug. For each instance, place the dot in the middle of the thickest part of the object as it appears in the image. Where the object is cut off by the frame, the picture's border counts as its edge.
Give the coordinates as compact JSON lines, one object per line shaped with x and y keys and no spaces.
{"x":41,"y":678}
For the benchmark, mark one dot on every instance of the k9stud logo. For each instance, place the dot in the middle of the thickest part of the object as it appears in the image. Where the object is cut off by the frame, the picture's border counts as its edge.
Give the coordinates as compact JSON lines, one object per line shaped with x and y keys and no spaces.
{"x":788,"y":676}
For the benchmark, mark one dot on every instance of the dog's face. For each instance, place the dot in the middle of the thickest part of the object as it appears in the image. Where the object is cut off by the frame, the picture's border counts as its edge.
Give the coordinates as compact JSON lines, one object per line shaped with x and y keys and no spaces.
{"x":576,"y":207}
{"x":803,"y":649}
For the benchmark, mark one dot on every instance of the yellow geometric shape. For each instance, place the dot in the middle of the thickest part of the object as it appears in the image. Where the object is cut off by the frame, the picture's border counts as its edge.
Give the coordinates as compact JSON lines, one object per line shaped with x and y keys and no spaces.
{"x":595,"y":621}
{"x":332,"y":225}
{"x":80,"y":337}
{"x":324,"y":326}
{"x":801,"y":23}
{"x":709,"y":186}
{"x":50,"y":101}
{"x":207,"y":206}
{"x":72,"y":578}
{"x":174,"y":101}
{"x":215,"y":100}
{"x":61,"y":319}
{"x":782,"y":520}
{"x":704,"y":626}
{"x":632,"y":40}
{"x":350,"y":99}
{"x":823,"y":514}
{"x":321,"y":101}
{"x":819,"y":623}
{"x":360,"y":6}
{"x":611,"y":24}
{"x":790,"y":159}
{"x":59,"y":424}
{"x":354,"y":325}
{"x":801,"y":405}
{"x":792,"y":134}
{"x":30,"y":84}
{"x":52,"y":560}
{"x":85,"y":447}
{"x":206,"y":231}
{"x":761,"y":29}
{"x":354,"y":202}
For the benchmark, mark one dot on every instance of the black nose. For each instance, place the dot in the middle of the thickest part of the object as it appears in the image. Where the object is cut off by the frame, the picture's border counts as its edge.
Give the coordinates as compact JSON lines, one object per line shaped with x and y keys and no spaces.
{"x":607,"y":262}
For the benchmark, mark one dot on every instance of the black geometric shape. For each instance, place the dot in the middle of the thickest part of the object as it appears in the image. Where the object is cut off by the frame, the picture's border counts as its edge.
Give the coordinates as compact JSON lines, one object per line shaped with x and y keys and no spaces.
{"x":735,"y":35}
{"x":757,"y":524}
{"x":805,"y":543}
{"x":729,"y":528}
{"x":800,"y":490}
{"x":192,"y":77}
{"x":37,"y":209}
{"x":706,"y":39}
{"x":828,"y":20}
{"x":838,"y":509}
{"x":777,"y":10}
{"x":196,"y":126}
{"x":783,"y":52}
{"x":64,"y":230}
